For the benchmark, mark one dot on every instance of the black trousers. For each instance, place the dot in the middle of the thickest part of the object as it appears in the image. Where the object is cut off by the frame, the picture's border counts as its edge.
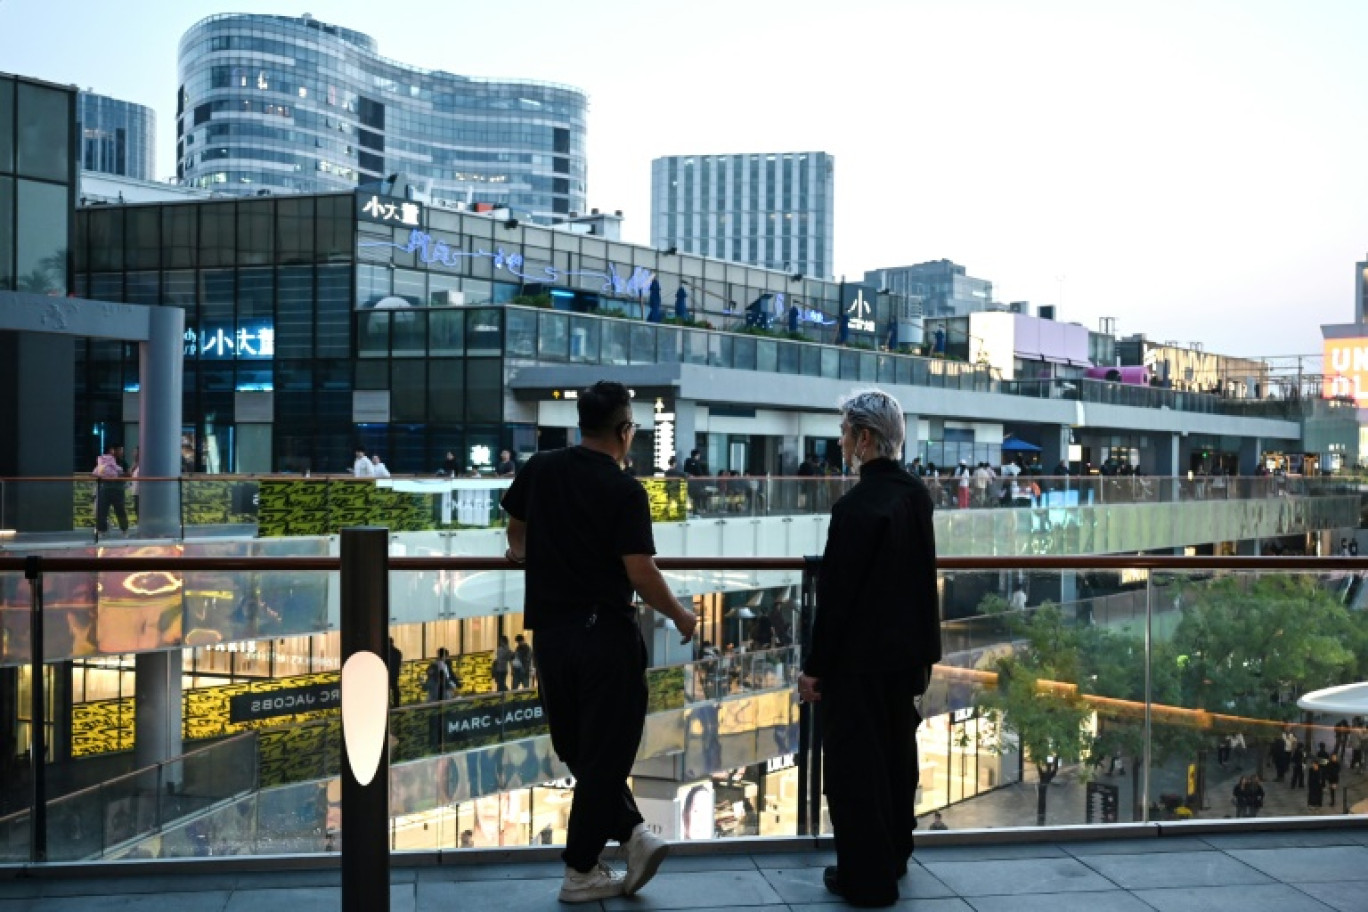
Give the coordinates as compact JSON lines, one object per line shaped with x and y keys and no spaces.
{"x":108,"y":497}
{"x":593,"y":691}
{"x":869,"y":748}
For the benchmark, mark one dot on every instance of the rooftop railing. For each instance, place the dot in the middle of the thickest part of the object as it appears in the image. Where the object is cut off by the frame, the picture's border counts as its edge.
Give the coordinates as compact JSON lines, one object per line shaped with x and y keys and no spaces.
{"x":1073,"y":691}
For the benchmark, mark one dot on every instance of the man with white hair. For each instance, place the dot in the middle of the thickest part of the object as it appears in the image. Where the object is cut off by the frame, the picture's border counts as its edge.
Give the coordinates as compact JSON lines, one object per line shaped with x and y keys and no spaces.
{"x":878,"y":577}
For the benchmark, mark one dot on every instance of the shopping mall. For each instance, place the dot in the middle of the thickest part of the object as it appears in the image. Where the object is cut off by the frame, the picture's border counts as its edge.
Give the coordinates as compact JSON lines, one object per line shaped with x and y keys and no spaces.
{"x":310,"y":325}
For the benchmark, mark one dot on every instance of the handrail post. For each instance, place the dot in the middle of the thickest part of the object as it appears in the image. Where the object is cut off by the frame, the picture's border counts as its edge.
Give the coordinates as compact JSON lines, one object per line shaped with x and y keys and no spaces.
{"x":1147,"y":752}
{"x":33,"y":572}
{"x":809,"y":731}
{"x":365,"y":718}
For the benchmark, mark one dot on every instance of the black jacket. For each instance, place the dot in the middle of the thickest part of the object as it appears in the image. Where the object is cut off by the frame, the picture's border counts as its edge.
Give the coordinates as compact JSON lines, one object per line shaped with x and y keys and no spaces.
{"x":878,"y":611}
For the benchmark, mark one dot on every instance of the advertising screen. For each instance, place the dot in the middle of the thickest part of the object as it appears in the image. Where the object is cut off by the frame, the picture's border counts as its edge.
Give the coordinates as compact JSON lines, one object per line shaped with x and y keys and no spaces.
{"x":1346,"y":369}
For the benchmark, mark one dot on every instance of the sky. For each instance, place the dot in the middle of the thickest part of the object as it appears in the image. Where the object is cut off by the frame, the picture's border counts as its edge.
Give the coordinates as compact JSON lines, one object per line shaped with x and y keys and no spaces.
{"x":1196,"y":170}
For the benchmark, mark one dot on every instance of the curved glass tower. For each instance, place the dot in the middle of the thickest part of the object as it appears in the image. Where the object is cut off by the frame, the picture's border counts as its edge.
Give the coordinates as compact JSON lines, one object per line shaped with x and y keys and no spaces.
{"x":116,"y":137}
{"x":295,"y":104}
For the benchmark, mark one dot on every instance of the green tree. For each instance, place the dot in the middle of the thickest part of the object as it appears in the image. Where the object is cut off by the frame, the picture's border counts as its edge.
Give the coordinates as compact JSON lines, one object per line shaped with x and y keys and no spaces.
{"x":1036,"y":706}
{"x":1245,"y":642}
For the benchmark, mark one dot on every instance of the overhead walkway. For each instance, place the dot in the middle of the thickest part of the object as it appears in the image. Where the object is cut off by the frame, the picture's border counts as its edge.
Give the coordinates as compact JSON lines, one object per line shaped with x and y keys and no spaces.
{"x":1104,"y":516}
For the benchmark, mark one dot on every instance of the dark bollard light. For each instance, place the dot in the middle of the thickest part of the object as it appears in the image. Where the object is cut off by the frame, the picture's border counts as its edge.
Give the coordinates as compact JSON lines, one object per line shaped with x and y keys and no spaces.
{"x":365,"y":720}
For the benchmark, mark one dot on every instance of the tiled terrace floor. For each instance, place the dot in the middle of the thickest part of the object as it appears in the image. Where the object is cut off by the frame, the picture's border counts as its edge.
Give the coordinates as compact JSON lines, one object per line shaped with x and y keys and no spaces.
{"x":1303,"y":865}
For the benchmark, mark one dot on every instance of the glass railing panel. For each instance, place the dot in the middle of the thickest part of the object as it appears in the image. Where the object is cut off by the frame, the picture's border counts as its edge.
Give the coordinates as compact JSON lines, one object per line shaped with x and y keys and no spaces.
{"x":15,"y":838}
{"x":211,"y":775}
{"x":1256,"y":675}
{"x":766,"y":355}
{"x":643,"y":339}
{"x":669,"y":345}
{"x":585,"y":338}
{"x":1039,"y":678}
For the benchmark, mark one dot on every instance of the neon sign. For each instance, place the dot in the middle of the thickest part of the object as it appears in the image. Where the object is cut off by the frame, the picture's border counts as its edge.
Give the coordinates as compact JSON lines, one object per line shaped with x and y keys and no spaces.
{"x":249,"y":340}
{"x":435,"y":252}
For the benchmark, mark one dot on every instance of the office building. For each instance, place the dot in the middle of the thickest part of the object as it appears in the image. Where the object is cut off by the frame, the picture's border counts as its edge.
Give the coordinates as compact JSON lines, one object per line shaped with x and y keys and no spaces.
{"x":280,"y":103}
{"x":768,"y":209}
{"x":116,"y":137}
{"x":945,"y":288}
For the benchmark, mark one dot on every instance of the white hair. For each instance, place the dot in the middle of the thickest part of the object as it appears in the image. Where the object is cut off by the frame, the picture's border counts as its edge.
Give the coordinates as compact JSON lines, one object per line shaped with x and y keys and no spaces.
{"x":880,"y":414}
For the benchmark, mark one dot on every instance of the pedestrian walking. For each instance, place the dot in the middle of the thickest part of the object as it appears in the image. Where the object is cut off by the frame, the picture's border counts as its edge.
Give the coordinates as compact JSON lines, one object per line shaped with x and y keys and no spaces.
{"x":583,"y":530}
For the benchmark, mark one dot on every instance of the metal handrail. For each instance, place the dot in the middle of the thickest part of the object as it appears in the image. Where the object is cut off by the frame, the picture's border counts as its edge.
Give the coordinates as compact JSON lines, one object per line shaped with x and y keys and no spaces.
{"x":134,"y":774}
{"x":54,"y":564}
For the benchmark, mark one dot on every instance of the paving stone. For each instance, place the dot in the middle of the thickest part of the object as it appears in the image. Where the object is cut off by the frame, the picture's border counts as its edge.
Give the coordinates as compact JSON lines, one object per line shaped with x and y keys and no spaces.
{"x":1017,"y":877}
{"x":1245,"y":898}
{"x":1193,"y":869}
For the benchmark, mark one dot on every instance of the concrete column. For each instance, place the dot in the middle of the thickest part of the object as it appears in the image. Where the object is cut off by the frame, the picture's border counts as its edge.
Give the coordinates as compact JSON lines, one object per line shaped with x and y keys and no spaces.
{"x":161,"y":370}
{"x":912,"y":446}
{"x":157,"y":721}
{"x":686,"y":429}
{"x":60,"y":702}
{"x":1054,"y":446}
{"x":1251,"y":448}
{"x":1166,"y":455}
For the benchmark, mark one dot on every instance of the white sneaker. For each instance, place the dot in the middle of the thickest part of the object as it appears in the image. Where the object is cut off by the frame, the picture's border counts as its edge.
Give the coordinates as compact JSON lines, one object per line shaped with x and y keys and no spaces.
{"x":602,"y":882}
{"x":645,"y":852}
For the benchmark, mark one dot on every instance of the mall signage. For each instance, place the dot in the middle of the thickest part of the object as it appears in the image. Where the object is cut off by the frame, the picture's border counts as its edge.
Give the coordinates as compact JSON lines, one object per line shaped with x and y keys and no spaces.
{"x":252,"y":339}
{"x":516,"y":716}
{"x":433,"y":251}
{"x":858,"y":302}
{"x":1346,"y":369}
{"x":389,"y":209}
{"x":252,"y":707}
{"x":664,"y":436}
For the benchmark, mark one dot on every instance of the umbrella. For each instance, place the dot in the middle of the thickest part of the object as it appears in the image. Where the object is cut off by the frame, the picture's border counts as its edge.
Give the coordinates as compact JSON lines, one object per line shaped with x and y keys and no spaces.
{"x":1013,"y":445}
{"x":655,"y":314}
{"x":682,"y":303}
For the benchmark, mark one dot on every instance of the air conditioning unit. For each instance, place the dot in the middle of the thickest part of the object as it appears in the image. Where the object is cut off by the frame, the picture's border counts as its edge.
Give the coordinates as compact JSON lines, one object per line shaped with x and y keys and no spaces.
{"x":448,"y":297}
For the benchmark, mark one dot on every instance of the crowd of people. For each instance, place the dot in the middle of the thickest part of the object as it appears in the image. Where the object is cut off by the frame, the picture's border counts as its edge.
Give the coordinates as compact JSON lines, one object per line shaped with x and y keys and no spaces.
{"x":1319,"y":771}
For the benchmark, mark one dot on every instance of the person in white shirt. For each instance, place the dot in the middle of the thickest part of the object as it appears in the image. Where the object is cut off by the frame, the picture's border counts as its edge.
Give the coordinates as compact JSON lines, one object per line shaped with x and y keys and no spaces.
{"x":362,"y":467}
{"x":378,"y":469}
{"x":1018,"y":600}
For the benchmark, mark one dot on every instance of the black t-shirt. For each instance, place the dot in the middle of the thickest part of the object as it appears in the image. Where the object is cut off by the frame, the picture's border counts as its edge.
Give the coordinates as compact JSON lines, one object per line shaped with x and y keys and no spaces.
{"x":583,"y":514}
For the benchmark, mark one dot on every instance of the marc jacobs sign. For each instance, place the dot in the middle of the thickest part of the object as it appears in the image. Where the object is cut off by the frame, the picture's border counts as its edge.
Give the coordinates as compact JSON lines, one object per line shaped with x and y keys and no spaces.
{"x":251,"y":707}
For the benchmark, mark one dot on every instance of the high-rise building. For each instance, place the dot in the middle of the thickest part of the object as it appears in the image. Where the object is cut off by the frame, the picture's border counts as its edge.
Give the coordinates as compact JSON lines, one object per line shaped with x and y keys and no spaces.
{"x":116,"y":137}
{"x":280,"y":103}
{"x":944,"y":288}
{"x":769,"y":209}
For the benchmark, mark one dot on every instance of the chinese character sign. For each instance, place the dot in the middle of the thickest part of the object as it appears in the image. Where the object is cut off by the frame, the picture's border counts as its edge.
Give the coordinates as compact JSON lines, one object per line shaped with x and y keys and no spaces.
{"x":246,"y":340}
{"x":376,"y":208}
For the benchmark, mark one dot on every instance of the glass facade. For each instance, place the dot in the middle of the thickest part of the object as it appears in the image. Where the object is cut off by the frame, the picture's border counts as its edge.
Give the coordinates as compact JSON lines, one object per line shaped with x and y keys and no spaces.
{"x":284,"y":103}
{"x":943,"y":287}
{"x":320,"y":323}
{"x":116,"y":137}
{"x":774,"y":210}
{"x":36,"y":180}
{"x":267,"y":289}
